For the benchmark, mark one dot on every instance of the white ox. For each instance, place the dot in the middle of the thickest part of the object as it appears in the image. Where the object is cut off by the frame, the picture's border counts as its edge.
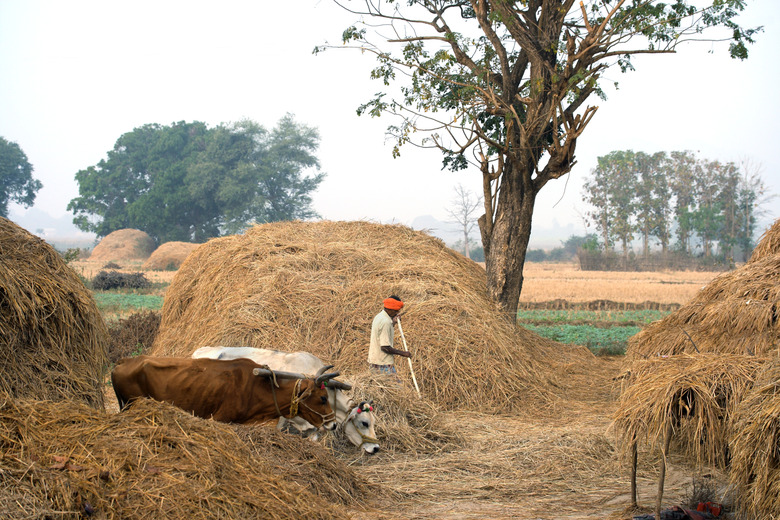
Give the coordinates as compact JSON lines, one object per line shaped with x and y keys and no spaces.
{"x":356,"y":420}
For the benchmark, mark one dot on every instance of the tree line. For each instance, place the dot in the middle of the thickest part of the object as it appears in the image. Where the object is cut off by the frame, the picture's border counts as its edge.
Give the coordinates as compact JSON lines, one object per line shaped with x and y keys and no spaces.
{"x":679,"y":202}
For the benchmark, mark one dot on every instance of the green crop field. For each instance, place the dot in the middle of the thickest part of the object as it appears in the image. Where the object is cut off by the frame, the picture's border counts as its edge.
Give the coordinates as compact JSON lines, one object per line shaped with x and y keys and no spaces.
{"x":603,"y":332}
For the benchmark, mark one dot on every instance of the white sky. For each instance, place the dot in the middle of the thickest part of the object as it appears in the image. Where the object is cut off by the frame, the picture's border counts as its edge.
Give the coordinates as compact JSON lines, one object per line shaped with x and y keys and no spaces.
{"x":75,"y":75}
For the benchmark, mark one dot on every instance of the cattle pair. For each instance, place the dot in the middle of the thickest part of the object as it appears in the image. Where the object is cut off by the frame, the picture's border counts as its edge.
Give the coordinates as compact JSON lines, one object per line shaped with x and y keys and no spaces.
{"x":249,"y":385}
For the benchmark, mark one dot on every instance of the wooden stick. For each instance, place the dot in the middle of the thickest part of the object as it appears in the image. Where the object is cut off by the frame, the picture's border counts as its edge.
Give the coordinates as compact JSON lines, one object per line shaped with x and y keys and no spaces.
{"x":662,"y":476}
{"x":414,"y":379}
{"x":634,"y":456}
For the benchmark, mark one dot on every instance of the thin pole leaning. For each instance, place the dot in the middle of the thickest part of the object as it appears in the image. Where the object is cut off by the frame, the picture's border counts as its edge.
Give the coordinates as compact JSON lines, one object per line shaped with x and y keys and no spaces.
{"x":414,"y":379}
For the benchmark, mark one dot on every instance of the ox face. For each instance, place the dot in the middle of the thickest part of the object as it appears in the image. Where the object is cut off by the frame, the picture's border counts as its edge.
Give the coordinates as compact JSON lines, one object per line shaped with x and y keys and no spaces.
{"x":312,"y":405}
{"x":359,"y":428}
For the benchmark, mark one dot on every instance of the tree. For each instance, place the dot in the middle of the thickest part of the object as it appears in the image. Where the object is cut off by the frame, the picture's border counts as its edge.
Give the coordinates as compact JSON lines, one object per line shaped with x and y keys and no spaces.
{"x":189,"y":182}
{"x":682,"y":167}
{"x":504,"y":85}
{"x":465,"y":204}
{"x":16,"y":181}
{"x":612,"y":191}
{"x":652,"y":200}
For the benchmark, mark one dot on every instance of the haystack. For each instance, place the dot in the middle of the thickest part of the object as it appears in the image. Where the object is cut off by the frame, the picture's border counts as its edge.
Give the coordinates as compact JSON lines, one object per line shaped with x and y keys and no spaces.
{"x":755,"y":447}
{"x":123,"y":245}
{"x":316,"y":287}
{"x":735,"y":313}
{"x":53,"y":340}
{"x":768,"y":244}
{"x":169,"y":256}
{"x":695,"y":395}
{"x":155,"y":461}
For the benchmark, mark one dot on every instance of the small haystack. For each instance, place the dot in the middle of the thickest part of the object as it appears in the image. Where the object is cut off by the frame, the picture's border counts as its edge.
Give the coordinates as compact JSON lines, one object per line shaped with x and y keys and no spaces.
{"x":123,"y":245}
{"x":735,"y":313}
{"x":695,"y":395}
{"x":684,"y":403}
{"x":155,"y":461}
{"x":769,"y":244}
{"x":755,"y":447}
{"x":169,"y":256}
{"x":53,"y":340}
{"x":317,"y":286}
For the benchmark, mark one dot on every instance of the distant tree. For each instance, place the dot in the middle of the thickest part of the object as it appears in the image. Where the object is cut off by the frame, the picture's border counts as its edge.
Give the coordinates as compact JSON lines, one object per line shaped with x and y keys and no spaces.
{"x":653,"y":204}
{"x":576,"y":242}
{"x":612,"y":192}
{"x":190,"y":182}
{"x":682,"y":168}
{"x":16,"y":181}
{"x":753,"y":194}
{"x":464,"y":213}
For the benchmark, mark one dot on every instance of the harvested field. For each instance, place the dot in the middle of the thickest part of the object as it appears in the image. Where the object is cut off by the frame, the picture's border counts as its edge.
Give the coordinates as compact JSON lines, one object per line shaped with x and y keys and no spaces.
{"x":550,"y":453}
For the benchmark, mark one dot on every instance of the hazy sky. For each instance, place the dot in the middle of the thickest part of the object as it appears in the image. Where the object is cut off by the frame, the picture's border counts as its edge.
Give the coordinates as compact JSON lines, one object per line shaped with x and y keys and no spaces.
{"x":78,"y":74}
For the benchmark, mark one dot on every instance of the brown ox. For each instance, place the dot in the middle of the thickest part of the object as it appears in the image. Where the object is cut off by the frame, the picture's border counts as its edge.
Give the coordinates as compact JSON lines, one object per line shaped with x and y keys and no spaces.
{"x":237,"y":391}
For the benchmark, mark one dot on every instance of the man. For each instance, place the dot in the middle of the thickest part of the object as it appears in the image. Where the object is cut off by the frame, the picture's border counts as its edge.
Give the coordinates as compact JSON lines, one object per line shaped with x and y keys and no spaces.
{"x":381,"y":353}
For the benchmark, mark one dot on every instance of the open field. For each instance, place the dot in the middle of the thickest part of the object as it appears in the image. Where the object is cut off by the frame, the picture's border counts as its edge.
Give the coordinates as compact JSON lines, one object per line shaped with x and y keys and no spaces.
{"x":556,"y":462}
{"x":551,"y":281}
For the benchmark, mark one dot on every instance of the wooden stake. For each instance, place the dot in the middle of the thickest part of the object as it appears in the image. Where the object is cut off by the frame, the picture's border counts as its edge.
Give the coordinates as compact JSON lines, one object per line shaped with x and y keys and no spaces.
{"x":414,"y":379}
{"x":662,"y":476}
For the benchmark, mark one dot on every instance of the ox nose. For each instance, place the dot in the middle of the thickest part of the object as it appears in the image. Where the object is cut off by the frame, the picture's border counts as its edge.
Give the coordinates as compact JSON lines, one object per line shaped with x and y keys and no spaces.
{"x":373,"y":450}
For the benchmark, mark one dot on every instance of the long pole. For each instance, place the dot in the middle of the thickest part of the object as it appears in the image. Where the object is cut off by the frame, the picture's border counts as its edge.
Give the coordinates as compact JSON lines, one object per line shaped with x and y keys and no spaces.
{"x":414,"y":379}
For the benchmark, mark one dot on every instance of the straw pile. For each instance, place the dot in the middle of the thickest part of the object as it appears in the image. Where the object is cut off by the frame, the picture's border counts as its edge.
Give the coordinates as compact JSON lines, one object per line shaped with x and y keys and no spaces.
{"x":755,"y":467}
{"x":169,"y":256}
{"x":696,"y":394}
{"x":123,"y":245}
{"x":53,"y":339}
{"x":769,"y":244}
{"x":155,"y":461}
{"x":735,"y":313}
{"x":317,"y":286}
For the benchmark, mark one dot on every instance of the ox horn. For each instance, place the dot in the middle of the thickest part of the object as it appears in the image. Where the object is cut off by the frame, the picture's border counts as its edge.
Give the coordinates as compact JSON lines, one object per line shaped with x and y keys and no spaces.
{"x":279,"y":375}
{"x":339,"y":385}
{"x":321,"y":376}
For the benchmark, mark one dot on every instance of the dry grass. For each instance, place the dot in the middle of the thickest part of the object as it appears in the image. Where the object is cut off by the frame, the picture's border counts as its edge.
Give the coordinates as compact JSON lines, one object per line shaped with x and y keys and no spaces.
{"x":169,"y":256}
{"x":123,"y":245}
{"x":545,"y":282}
{"x":155,"y":461}
{"x":53,"y":341}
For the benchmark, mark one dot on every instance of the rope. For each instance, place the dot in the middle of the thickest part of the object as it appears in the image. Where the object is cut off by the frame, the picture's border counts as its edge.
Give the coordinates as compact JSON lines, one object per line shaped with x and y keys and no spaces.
{"x":296,"y":399}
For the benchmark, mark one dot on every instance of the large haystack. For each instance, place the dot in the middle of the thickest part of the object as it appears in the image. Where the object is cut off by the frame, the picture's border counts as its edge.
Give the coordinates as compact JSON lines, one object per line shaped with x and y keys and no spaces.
{"x":316,"y":287}
{"x":755,"y":447}
{"x":169,"y":256}
{"x":769,"y":244}
{"x":735,"y":313}
{"x":156,"y":461}
{"x":53,"y":339}
{"x":123,"y":245}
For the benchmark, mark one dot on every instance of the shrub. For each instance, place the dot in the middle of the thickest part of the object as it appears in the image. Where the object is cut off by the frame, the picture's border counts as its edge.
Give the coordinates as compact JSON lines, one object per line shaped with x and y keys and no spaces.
{"x":132,"y":335}
{"x":106,"y":280}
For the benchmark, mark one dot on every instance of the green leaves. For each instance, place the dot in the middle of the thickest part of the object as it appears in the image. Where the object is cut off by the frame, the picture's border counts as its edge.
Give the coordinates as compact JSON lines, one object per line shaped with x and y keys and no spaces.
{"x":189,"y":182}
{"x":16,"y":181}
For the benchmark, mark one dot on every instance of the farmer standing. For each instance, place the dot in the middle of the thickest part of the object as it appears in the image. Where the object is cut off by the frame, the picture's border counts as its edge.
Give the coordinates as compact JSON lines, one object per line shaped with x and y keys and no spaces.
{"x":381,"y":353}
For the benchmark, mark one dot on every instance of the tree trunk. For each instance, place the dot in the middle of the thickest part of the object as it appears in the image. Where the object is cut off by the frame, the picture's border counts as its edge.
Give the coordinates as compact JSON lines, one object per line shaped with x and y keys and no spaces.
{"x":506,"y":244}
{"x":466,"y":241}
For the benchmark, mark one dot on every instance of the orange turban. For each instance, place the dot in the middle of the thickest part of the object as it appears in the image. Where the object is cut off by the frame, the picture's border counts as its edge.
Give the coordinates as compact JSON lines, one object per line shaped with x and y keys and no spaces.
{"x":393,"y":304}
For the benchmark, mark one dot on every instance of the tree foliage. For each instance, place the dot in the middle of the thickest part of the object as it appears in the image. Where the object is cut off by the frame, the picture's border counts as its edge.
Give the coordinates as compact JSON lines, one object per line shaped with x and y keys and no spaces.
{"x":711,"y":204}
{"x":16,"y":180}
{"x":505,"y":86}
{"x":189,"y":182}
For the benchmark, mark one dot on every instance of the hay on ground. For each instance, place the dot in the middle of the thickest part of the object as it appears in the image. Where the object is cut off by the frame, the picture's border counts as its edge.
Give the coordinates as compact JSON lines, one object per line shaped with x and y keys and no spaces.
{"x":123,"y":245}
{"x":768,"y":244}
{"x":316,"y":287}
{"x":53,"y":340}
{"x":169,"y":256}
{"x":155,"y":461}
{"x":695,"y":394}
{"x":736,"y":313}
{"x":755,"y":447}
